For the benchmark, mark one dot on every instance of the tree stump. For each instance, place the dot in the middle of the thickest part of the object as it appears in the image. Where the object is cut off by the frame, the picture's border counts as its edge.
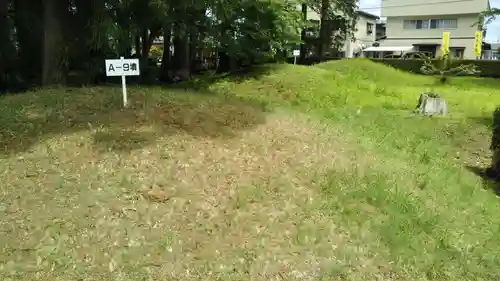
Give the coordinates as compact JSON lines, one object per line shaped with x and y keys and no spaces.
{"x":431,"y":104}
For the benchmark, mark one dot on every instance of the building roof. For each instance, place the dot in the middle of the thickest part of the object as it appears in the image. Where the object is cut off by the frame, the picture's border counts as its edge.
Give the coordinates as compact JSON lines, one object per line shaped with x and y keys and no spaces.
{"x":367,"y":15}
{"x":389,"y":49}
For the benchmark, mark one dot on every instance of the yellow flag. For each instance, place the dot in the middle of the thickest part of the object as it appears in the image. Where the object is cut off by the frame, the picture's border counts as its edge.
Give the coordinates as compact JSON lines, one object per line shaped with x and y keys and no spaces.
{"x":445,"y":45}
{"x":478,"y":42}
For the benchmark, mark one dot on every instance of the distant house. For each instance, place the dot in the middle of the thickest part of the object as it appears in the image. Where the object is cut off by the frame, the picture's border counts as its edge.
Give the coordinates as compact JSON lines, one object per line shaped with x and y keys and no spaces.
{"x":418,"y":25}
{"x":364,"y":36}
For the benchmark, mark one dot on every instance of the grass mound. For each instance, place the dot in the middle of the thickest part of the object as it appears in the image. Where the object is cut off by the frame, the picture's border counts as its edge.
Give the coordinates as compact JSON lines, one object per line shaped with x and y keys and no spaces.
{"x":364,"y":69}
{"x":351,"y":84}
{"x":291,"y":172}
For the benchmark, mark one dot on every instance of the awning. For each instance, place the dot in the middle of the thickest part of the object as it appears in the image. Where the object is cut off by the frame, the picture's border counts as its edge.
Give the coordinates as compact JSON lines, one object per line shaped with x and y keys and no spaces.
{"x":388,"y":49}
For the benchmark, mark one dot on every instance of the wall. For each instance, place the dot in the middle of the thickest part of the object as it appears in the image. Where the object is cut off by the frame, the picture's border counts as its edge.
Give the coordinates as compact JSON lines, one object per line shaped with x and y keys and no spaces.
{"x":361,"y":32}
{"x":394,"y":8}
{"x":395,"y":29}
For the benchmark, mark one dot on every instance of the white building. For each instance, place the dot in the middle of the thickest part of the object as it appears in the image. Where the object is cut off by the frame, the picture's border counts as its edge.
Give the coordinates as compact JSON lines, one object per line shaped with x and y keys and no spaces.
{"x":419,"y":24}
{"x":364,"y":36}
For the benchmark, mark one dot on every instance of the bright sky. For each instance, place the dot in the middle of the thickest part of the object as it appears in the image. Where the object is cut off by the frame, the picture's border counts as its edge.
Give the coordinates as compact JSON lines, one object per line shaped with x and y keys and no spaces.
{"x":493,"y":34}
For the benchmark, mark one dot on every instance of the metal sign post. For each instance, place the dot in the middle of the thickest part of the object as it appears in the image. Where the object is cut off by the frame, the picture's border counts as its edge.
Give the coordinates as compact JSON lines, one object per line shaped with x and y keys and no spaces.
{"x":123,"y":67}
{"x":296,"y":53}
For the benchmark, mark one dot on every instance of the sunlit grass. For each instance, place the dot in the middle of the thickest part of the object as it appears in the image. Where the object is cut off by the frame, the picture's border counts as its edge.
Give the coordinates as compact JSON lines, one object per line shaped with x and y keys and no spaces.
{"x":294,"y":172}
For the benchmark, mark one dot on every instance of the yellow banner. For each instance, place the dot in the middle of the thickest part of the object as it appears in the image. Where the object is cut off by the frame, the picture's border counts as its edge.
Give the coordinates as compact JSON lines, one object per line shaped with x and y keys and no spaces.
{"x":478,"y":42}
{"x":445,"y":45}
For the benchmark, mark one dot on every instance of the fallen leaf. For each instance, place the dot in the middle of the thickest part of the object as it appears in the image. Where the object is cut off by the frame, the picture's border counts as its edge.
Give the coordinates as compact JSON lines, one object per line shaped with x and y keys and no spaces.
{"x":155,"y":195}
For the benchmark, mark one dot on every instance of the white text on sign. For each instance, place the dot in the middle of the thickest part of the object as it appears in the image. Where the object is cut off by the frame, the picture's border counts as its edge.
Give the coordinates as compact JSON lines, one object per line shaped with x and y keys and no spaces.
{"x":122,"y":67}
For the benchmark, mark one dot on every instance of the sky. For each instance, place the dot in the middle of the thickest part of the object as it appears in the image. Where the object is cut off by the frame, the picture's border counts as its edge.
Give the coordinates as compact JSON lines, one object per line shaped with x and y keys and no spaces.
{"x":492,"y":35}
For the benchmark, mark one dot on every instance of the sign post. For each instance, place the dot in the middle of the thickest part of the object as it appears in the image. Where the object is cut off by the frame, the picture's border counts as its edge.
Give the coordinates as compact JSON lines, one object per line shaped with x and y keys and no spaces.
{"x":123,"y":67}
{"x":296,"y":53}
{"x":478,"y":44}
{"x":445,"y":44}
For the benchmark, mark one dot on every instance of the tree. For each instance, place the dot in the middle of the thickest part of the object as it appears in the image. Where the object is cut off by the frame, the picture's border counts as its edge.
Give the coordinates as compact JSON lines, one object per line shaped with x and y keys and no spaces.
{"x":445,"y":68}
{"x":77,"y":35}
{"x":7,"y":49}
{"x":486,"y":18}
{"x":338,"y":23}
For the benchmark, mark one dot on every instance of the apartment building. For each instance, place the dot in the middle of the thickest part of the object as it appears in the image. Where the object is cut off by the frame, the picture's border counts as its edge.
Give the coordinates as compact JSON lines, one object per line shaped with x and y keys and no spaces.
{"x":419,"y":25}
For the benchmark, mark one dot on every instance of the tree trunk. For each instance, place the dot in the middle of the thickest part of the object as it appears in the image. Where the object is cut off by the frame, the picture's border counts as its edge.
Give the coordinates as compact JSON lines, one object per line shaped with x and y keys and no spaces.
{"x":193,"y":47}
{"x":323,"y":42}
{"x":302,"y":57}
{"x":224,"y":63}
{"x":7,"y":49}
{"x":494,"y":170}
{"x":145,"y":45}
{"x":182,"y":63}
{"x":166,"y":57}
{"x":29,"y":31}
{"x":90,"y":53}
{"x":137,"y":43}
{"x":53,"y":44}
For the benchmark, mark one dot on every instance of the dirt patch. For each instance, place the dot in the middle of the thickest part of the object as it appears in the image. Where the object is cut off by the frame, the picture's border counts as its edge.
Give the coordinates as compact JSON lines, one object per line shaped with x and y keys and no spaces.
{"x":235,"y":208}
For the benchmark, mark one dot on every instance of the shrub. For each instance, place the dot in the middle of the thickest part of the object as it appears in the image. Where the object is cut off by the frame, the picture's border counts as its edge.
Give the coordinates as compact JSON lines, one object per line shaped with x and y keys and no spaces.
{"x":156,"y":52}
{"x":447,"y":67}
{"x":487,"y":68}
{"x":494,"y":170}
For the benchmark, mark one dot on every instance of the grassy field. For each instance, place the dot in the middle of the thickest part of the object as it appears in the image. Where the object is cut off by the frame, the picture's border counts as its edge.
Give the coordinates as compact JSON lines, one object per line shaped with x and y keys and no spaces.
{"x":291,"y":173}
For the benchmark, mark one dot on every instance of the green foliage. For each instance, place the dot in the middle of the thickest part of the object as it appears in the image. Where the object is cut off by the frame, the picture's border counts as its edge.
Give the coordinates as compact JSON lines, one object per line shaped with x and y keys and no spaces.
{"x":339,"y":18}
{"x":486,"y":17}
{"x":244,"y":30}
{"x":495,"y":139}
{"x":155,"y":52}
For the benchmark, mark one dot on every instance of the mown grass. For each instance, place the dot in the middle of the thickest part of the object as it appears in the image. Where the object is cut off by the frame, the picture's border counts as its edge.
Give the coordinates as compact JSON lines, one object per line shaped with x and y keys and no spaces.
{"x":299,"y":173}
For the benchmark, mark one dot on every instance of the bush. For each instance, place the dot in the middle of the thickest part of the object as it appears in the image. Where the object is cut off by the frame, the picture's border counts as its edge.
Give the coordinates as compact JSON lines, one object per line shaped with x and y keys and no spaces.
{"x":487,"y":68}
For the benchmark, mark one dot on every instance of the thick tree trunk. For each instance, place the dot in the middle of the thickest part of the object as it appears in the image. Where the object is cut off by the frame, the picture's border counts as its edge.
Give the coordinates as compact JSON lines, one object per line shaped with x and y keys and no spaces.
{"x":137,"y":46}
{"x":53,"y":44}
{"x":7,"y":50}
{"x":182,"y":63}
{"x":90,"y":54}
{"x":166,"y":57}
{"x":224,"y":63}
{"x":29,"y":31}
{"x":145,"y":45}
{"x":303,"y":35}
{"x":323,"y":42}
{"x":193,"y":47}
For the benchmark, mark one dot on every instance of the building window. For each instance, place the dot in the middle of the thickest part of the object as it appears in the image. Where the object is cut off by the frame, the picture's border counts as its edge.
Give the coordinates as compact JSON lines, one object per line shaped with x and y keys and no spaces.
{"x":457,"y":53}
{"x":369,"y":28}
{"x":430,"y":24}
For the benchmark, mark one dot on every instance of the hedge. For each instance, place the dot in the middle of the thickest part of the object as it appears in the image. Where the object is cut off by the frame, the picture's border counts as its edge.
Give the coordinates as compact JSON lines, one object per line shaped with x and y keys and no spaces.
{"x":311,"y":60}
{"x":489,"y":68}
